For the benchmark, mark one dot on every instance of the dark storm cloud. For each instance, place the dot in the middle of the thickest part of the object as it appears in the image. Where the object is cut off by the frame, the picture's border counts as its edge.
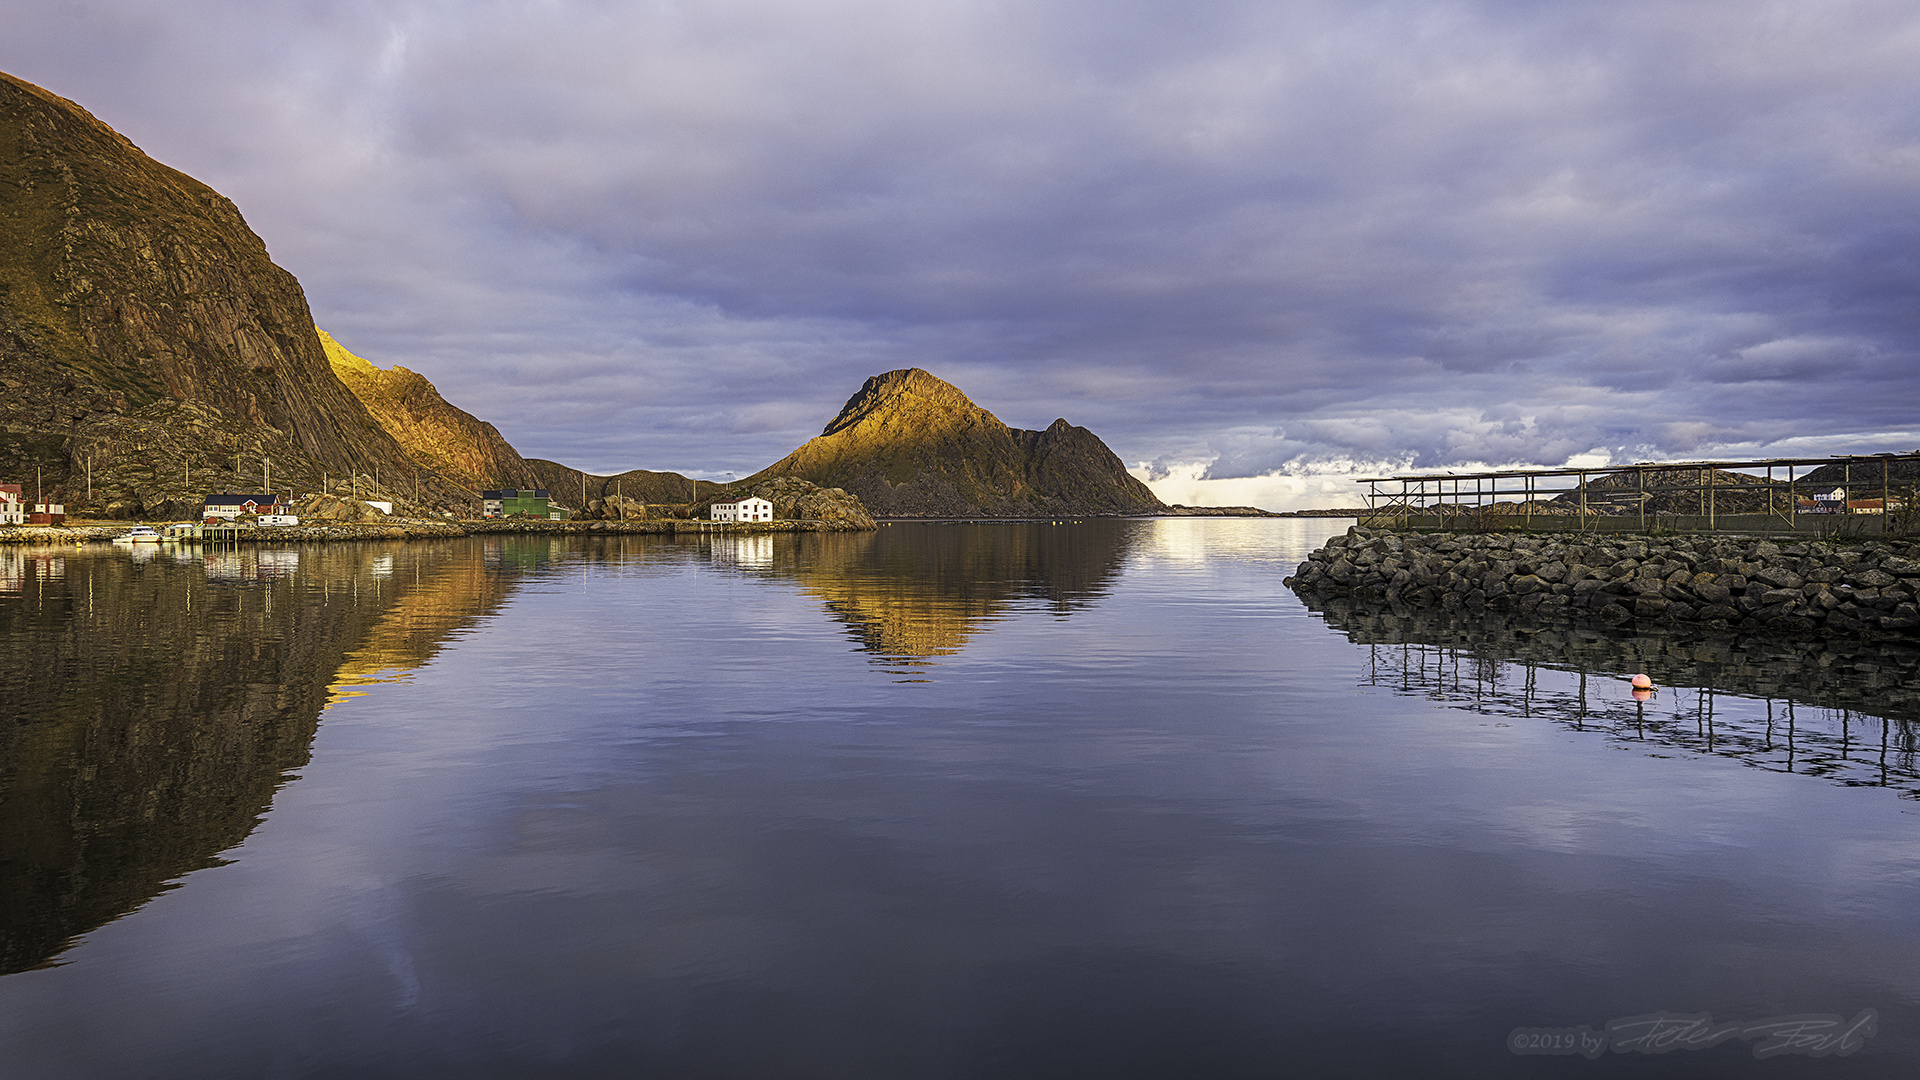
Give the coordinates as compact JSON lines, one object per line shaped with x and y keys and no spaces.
{"x":1313,"y":236}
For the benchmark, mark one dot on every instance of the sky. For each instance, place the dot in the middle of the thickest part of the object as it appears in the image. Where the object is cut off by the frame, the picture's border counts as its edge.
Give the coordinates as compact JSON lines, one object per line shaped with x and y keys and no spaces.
{"x":1259,"y":248}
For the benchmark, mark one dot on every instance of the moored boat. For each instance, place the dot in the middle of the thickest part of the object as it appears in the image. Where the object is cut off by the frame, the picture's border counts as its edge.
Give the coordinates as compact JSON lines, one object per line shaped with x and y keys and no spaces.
{"x":139,"y":534}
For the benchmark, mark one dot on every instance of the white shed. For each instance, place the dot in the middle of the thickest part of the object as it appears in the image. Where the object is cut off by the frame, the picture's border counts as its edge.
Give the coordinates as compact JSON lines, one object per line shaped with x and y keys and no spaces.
{"x":748,"y":509}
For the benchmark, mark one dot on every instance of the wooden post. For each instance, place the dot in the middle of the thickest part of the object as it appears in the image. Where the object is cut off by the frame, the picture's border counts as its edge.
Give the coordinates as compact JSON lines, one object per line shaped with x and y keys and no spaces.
{"x":1640,"y":494}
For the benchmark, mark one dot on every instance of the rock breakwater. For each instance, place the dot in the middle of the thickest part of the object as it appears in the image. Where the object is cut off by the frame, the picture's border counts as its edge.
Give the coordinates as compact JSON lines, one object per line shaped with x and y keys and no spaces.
{"x":1816,"y":587}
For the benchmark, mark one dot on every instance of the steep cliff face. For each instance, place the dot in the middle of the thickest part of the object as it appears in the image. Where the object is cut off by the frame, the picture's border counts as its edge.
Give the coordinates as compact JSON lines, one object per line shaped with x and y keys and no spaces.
{"x":438,"y":436}
{"x":127,"y":287}
{"x":911,"y":445}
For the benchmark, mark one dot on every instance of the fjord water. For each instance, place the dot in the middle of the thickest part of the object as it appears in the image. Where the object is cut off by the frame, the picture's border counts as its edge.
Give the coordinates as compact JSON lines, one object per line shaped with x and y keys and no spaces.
{"x":1095,"y":799}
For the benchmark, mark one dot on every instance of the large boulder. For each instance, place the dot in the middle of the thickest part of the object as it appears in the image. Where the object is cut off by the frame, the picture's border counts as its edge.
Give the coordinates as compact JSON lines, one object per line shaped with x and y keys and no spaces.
{"x":795,"y":499}
{"x":334,"y":510}
{"x":612,"y":508}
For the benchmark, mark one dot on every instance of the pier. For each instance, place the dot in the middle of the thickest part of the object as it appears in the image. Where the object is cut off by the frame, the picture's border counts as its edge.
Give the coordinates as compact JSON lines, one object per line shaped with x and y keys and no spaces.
{"x":1762,"y":496}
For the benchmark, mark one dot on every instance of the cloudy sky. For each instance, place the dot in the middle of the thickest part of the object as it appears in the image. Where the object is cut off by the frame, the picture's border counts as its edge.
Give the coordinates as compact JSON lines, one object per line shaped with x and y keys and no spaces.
{"x":1255,"y":246}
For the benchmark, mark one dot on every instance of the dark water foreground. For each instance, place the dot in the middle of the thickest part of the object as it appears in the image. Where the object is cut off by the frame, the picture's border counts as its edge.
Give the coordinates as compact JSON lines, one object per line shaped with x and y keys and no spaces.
{"x":940,"y":800}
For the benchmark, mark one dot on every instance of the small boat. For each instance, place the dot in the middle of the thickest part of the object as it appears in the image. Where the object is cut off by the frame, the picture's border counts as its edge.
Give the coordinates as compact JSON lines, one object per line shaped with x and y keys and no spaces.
{"x":139,"y":534}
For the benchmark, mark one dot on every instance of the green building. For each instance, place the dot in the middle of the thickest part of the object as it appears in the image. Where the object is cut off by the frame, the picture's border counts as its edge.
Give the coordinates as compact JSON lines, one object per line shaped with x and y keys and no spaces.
{"x":531,"y":502}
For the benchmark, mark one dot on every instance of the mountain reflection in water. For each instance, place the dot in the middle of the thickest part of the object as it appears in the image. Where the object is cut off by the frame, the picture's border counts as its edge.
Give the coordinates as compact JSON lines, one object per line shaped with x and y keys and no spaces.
{"x":914,"y":591}
{"x":156,"y":699}
{"x":1842,"y":709}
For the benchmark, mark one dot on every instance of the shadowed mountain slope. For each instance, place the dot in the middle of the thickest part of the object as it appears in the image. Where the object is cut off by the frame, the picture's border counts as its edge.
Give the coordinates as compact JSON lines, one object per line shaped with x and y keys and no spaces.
{"x":145,"y":331}
{"x":911,"y":445}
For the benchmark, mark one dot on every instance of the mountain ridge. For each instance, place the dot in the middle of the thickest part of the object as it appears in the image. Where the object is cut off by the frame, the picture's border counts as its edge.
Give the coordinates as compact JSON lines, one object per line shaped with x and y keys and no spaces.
{"x":910,"y":444}
{"x":146,"y":336}
{"x":435,"y":433}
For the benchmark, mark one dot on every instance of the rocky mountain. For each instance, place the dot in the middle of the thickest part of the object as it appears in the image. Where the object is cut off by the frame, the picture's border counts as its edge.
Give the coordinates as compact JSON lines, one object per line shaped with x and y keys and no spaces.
{"x":1866,"y":477}
{"x":457,"y":445}
{"x":911,"y":445}
{"x":575,"y":489}
{"x":150,"y":350}
{"x":1672,"y":491}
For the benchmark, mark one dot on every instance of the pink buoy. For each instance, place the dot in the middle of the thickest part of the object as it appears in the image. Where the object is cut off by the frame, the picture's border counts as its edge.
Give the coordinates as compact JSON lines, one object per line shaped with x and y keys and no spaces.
{"x":1641,"y":682}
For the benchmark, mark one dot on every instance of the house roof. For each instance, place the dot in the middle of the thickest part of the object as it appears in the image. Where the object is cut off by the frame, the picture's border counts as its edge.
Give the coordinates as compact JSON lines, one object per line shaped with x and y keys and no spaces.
{"x":242,"y":500}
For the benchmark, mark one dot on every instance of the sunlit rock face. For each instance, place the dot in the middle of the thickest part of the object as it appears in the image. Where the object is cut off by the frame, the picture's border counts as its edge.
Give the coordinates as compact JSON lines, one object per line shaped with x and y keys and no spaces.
{"x":438,"y":436}
{"x":155,"y":706}
{"x":911,"y":445}
{"x":145,"y":334}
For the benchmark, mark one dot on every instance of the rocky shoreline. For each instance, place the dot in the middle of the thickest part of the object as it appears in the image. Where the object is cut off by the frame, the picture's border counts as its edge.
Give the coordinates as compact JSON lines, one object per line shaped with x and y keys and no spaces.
{"x":1864,"y":590}
{"x":435,"y":530}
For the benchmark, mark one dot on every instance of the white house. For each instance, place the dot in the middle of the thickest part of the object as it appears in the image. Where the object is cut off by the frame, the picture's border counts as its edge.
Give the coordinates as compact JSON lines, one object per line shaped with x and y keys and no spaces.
{"x":749,"y":509}
{"x":12,"y":510}
{"x":232,"y":506}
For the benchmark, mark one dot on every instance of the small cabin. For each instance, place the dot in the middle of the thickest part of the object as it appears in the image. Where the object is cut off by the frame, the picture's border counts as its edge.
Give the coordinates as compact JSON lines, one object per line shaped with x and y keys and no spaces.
{"x":748,"y":509}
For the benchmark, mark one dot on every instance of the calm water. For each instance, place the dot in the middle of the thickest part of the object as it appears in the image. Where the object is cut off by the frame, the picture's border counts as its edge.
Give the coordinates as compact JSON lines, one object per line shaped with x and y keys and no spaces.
{"x":941,"y":801}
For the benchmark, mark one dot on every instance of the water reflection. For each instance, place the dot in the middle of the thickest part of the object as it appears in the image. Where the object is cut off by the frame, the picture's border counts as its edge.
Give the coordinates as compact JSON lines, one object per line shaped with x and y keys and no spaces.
{"x":911,"y":592}
{"x":156,"y":699}
{"x":744,"y":552}
{"x":1842,"y":709}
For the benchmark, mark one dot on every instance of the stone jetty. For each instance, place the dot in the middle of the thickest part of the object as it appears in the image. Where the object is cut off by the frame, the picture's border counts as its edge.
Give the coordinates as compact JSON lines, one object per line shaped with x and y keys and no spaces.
{"x":1815,"y":587}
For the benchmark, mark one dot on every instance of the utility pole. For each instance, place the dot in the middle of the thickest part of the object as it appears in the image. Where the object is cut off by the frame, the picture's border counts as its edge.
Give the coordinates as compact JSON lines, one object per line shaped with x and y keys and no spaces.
{"x":266,"y":475}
